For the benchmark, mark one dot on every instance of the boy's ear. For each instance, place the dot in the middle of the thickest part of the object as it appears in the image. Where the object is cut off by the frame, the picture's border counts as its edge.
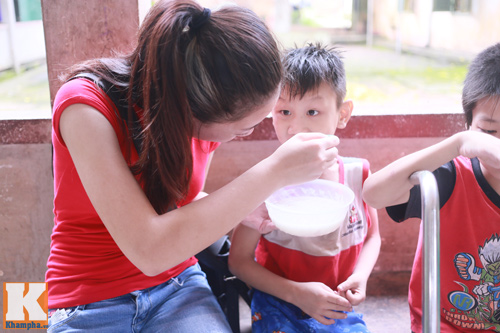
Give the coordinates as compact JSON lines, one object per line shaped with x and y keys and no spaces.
{"x":345,"y":114}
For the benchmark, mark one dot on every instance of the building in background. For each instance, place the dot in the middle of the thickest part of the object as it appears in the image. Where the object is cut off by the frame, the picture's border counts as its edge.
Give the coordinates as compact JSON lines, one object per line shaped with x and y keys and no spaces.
{"x":443,"y":27}
{"x":21,"y":33}
{"x":451,"y":26}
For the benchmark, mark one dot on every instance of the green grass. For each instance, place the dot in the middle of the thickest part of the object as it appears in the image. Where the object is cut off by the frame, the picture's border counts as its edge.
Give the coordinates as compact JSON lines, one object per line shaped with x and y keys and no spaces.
{"x":373,"y":85}
{"x":32,"y":89}
{"x":454,"y":74}
{"x":7,"y":75}
{"x":360,"y":92}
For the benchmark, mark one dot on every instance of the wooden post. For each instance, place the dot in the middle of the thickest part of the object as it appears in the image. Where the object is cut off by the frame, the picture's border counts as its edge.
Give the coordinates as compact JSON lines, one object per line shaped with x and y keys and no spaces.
{"x":81,"y":30}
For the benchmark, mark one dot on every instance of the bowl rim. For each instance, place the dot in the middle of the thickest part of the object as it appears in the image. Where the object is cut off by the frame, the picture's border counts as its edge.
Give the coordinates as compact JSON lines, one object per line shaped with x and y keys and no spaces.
{"x":330,"y":183}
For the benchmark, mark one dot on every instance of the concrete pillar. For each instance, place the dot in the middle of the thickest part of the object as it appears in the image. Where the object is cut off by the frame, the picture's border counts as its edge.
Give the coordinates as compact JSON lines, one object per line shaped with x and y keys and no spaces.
{"x":10,"y":17}
{"x":369,"y":23}
{"x":81,"y":30}
{"x":282,"y":16}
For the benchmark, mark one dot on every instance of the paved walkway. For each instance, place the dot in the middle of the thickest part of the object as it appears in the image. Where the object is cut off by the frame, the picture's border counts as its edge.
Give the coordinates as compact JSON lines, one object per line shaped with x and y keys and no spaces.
{"x":26,"y":96}
{"x":379,"y":81}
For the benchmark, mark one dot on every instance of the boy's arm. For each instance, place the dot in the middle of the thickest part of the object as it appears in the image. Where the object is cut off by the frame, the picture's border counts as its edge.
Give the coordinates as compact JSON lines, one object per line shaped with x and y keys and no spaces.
{"x":391,"y":185}
{"x":242,"y":263}
{"x":354,"y":288}
{"x":315,"y":299}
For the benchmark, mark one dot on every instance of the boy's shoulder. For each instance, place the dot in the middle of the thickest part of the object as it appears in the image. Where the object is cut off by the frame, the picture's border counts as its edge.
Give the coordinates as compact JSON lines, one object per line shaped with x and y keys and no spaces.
{"x":348,"y":160}
{"x":355,"y":166}
{"x":471,"y":173}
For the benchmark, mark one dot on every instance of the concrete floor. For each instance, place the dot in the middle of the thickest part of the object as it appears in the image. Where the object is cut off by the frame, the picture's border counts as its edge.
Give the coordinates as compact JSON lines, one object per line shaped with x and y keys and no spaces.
{"x":384,"y":314}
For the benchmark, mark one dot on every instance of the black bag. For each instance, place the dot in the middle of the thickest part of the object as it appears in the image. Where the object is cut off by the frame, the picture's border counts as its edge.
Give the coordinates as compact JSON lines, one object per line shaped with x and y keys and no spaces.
{"x":225,"y":286}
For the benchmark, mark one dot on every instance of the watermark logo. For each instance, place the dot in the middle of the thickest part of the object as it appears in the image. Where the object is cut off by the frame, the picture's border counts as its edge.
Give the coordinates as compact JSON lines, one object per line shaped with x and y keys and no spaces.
{"x":25,"y":305}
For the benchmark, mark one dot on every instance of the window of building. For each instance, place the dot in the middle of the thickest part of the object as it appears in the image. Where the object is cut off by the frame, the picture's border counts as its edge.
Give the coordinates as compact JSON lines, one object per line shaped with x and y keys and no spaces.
{"x":409,"y":6}
{"x":460,"y":6}
{"x":28,"y":10}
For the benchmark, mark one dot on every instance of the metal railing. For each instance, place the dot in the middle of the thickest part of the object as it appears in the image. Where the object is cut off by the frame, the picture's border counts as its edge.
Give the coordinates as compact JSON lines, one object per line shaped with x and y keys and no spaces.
{"x":430,"y":220}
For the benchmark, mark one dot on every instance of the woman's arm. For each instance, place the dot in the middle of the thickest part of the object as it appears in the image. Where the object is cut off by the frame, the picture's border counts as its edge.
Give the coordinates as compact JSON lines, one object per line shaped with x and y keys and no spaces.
{"x":354,"y":288}
{"x":155,"y":242}
{"x":314,"y":298}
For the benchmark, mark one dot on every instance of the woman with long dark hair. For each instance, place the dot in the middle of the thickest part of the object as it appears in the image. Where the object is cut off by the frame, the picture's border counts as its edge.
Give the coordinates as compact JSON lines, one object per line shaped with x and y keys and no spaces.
{"x":128,"y":221}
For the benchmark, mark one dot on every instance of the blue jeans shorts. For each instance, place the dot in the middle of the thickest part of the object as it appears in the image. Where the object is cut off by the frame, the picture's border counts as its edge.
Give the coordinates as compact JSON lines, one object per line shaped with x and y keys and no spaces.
{"x":182,"y":304}
{"x":270,"y":314}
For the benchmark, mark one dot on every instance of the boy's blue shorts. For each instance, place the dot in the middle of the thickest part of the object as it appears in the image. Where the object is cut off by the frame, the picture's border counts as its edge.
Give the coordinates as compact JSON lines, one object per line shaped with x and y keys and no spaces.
{"x":270,"y":314}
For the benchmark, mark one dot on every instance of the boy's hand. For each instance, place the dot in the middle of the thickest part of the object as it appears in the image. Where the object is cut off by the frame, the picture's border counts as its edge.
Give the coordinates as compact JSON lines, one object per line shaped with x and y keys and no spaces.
{"x":353,"y":289}
{"x":484,"y":146}
{"x":259,"y":220}
{"x":320,"y":302}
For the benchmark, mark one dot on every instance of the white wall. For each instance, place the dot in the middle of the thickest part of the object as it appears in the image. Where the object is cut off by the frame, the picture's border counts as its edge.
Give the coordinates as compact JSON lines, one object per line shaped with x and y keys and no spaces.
{"x":467,"y":32}
{"x":28,"y":44}
{"x":20,"y":42}
{"x":460,"y":32}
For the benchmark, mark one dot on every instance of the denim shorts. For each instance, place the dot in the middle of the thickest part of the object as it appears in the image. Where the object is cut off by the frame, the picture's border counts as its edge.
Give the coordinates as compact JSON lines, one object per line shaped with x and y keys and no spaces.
{"x":270,"y":314}
{"x":182,"y":304}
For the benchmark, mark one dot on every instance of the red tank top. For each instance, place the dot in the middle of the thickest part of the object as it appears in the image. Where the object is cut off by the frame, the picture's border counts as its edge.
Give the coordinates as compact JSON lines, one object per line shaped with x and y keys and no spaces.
{"x":85,"y":264}
{"x":469,"y":256}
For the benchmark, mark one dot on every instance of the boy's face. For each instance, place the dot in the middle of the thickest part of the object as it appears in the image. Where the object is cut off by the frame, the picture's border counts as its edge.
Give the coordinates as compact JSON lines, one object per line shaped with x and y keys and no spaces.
{"x":486,"y":116}
{"x":316,"y":112}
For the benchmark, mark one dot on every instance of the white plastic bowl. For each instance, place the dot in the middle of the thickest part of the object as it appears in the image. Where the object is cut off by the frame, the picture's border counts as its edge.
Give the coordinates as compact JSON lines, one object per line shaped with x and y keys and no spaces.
{"x":310,"y":209}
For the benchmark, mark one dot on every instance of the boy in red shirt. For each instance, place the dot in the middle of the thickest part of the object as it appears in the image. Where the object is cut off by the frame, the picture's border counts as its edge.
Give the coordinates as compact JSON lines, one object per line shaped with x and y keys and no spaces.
{"x":467,"y":170}
{"x":310,"y":284}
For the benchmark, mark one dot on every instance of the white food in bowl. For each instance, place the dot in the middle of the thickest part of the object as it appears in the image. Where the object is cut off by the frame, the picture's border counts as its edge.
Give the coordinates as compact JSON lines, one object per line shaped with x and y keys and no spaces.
{"x":310,"y":209}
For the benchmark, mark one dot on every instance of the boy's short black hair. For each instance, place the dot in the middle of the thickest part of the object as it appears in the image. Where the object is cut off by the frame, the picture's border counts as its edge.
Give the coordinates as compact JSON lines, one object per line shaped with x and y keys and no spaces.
{"x":482,"y":80}
{"x":307,"y":67}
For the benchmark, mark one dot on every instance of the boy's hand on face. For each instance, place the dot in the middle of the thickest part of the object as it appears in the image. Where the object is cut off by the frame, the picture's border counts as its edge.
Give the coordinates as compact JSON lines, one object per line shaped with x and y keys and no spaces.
{"x":353,"y":289}
{"x":481,"y":145}
{"x":320,"y":302}
{"x":484,"y":146}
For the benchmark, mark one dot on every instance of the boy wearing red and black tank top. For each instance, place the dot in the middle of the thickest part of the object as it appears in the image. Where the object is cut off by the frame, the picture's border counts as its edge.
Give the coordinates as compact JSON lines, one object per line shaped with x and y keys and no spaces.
{"x":467,"y":171}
